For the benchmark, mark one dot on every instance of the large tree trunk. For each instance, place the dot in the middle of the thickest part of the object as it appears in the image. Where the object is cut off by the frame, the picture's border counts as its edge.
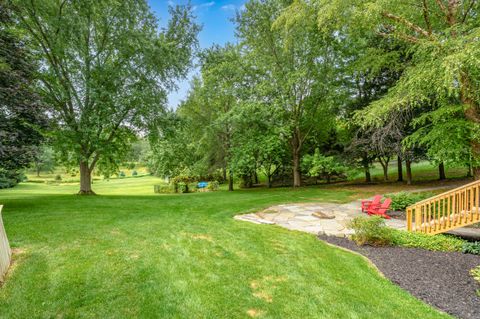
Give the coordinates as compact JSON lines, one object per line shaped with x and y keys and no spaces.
{"x":408,"y":166}
{"x":366,"y":168}
{"x":399,"y":169}
{"x":441,"y":171}
{"x":384,"y":163}
{"x":368,"y":177}
{"x":85,"y":179}
{"x":269,"y":181}
{"x":230,"y":180}
{"x":297,"y":176}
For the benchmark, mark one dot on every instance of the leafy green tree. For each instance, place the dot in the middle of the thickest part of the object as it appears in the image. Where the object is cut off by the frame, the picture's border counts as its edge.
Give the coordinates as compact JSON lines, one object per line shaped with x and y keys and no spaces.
{"x":210,"y":106}
{"x":442,"y":38}
{"x":44,"y":160}
{"x":294,"y":70}
{"x":320,"y":166}
{"x":106,"y":70}
{"x":22,"y":117}
{"x":261,"y":143}
{"x":174,"y":149}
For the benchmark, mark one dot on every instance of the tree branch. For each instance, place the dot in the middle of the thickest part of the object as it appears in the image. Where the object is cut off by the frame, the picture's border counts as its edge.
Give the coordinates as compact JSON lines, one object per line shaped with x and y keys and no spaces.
{"x":406,"y":23}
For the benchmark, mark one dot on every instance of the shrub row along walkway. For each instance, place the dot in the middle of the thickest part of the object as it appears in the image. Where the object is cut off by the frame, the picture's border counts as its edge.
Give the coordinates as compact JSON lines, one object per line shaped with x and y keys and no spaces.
{"x":316,"y":218}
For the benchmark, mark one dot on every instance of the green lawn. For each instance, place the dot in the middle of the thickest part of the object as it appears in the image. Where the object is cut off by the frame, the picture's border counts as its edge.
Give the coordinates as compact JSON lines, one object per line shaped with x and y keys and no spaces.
{"x":129,"y":253}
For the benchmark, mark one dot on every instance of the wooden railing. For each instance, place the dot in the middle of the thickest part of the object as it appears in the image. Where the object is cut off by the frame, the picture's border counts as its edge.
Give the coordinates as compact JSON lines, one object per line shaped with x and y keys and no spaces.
{"x":5,"y":252}
{"x":453,"y":209}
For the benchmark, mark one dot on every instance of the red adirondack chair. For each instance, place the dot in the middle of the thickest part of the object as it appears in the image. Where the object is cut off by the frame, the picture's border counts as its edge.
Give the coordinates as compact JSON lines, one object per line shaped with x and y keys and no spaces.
{"x":381,"y":210}
{"x":366,"y":204}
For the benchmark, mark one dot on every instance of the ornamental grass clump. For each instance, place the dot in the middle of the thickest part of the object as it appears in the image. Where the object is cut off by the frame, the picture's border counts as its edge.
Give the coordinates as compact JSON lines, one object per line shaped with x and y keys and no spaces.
{"x":371,"y":231}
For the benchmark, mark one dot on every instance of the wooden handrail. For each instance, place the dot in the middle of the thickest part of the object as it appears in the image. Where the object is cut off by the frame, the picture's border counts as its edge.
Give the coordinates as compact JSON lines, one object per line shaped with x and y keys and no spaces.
{"x":455,"y":208}
{"x":447,"y":192}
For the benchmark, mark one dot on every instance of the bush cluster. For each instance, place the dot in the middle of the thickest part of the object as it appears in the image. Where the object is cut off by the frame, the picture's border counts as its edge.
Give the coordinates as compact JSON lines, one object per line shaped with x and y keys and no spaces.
{"x":428,"y":242}
{"x":213,"y":185}
{"x":373,"y":231}
{"x":370,"y":231}
{"x":471,"y":248}
{"x":400,"y":201}
{"x":164,"y":189}
{"x":475,"y":272}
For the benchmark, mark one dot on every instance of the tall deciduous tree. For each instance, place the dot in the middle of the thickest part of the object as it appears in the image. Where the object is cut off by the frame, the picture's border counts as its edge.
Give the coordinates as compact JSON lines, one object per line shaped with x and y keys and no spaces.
{"x":442,"y":37}
{"x":21,"y":115}
{"x":295,"y":69}
{"x":106,"y":69}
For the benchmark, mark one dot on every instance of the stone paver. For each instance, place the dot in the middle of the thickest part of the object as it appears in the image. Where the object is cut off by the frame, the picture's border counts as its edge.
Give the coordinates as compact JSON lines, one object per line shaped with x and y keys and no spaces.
{"x":302,"y":217}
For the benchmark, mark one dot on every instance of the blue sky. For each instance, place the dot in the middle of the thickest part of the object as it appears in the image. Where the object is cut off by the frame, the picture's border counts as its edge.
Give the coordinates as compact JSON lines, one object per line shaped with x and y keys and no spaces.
{"x":214,"y":16}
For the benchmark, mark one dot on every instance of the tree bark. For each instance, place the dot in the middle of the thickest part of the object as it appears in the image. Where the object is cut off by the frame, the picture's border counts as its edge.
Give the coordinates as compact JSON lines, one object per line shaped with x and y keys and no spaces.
{"x":384,"y":166}
{"x":269,"y":181}
{"x":366,"y":168}
{"x":368,"y":177}
{"x":255,"y":176}
{"x":408,"y":165}
{"x":85,"y":179}
{"x":441,"y":171}
{"x":230,"y":180}
{"x":297,"y":176}
{"x":399,"y":169}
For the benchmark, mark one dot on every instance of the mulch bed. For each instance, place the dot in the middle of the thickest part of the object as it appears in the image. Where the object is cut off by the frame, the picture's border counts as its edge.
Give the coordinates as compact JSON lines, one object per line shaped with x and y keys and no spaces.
{"x":441,"y":279}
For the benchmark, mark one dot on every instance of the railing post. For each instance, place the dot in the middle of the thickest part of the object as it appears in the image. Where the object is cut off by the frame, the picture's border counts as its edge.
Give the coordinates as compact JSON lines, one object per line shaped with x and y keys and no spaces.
{"x":418,"y":218}
{"x":409,"y":219}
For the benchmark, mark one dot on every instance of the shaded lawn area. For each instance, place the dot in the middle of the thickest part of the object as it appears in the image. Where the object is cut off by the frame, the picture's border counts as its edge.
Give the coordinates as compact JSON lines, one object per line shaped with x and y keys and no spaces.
{"x":182,"y":256}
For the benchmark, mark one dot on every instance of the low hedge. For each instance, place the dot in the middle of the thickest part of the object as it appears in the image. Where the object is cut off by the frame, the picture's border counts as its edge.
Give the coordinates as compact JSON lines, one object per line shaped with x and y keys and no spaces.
{"x":373,"y":231}
{"x":164,"y":189}
{"x":401,"y":200}
{"x":471,"y":248}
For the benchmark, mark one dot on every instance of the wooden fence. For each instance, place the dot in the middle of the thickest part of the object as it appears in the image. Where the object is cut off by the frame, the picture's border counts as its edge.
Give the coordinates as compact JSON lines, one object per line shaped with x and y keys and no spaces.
{"x":5,"y":251}
{"x":456,"y":208}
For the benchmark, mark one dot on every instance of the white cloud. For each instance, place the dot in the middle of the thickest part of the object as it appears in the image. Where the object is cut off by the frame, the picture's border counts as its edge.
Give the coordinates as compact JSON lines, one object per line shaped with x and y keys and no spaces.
{"x":171,"y":3}
{"x":229,"y":7}
{"x":203,"y":5}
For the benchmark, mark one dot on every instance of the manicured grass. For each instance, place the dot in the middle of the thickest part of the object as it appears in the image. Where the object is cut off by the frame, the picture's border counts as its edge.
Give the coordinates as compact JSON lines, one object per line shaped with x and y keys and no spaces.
{"x":129,"y":253}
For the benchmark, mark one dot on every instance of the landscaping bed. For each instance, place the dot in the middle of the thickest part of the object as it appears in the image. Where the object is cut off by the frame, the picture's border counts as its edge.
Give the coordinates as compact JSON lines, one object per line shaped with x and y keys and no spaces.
{"x":441,"y":279}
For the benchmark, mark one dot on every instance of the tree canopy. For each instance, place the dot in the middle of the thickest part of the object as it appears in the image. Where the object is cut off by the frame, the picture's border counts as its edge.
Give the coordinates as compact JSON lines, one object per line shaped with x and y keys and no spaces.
{"x":106,"y":70}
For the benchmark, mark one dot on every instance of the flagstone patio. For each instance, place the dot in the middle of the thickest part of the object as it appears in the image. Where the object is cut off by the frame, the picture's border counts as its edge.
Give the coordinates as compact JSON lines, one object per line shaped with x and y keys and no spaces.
{"x":329,"y":219}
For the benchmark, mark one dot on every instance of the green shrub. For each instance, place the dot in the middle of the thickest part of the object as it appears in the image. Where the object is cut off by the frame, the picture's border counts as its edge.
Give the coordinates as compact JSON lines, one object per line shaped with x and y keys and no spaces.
{"x":213,"y":185}
{"x":182,"y":187}
{"x":428,"y":242}
{"x":471,"y":248}
{"x":402,"y":200}
{"x":475,"y":272}
{"x":371,"y":231}
{"x":10,"y":178}
{"x":58,"y":178}
{"x":163,"y":189}
{"x":121,"y":174}
{"x":134,"y":173}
